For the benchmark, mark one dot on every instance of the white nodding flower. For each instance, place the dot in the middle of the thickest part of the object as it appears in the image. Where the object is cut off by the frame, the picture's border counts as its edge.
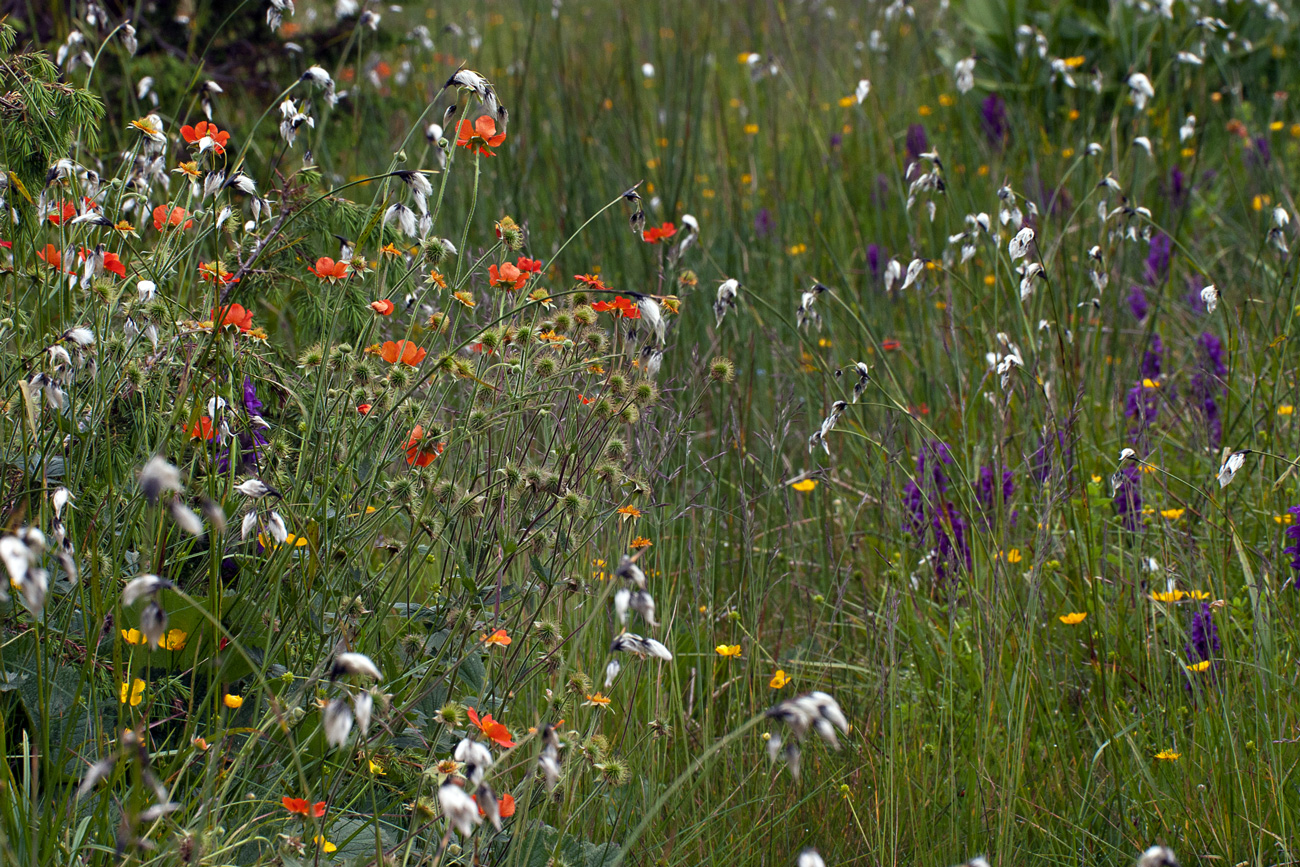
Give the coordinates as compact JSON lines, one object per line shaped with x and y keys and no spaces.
{"x":1210,"y":297}
{"x":1127,"y":455}
{"x":1158,"y":856}
{"x":914,"y":269}
{"x":1188,"y":129}
{"x":476,"y":759}
{"x":80,"y":335}
{"x":862,"y":90}
{"x":153,"y":623}
{"x":1142,"y":90}
{"x":644,"y":604}
{"x":658,"y":650}
{"x":652,"y":316}
{"x":1144,"y":143}
{"x":460,"y":809}
{"x":247,"y":524}
{"x":1093,"y":149}
{"x":1281,"y":218}
{"x":159,"y":476}
{"x":893,"y":274}
{"x":1018,"y":246}
{"x":1189,"y":58}
{"x":147,"y":290}
{"x":977,"y":861}
{"x":338,"y":722}
{"x":254,"y":488}
{"x":144,"y":585}
{"x":726,"y":300}
{"x":622,"y":601}
{"x":1230,"y":467}
{"x":648,"y":70}
{"x":1032,"y":270}
{"x":60,"y":499}
{"x":275,"y":525}
{"x":186,"y":518}
{"x":810,"y":858}
{"x":354,"y":663}
{"x":964,"y":70}
{"x":403,"y":216}
{"x":611,"y":672}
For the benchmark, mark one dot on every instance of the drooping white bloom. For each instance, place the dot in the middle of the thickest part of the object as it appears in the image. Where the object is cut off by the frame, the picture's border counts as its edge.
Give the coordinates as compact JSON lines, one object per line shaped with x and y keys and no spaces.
{"x":965,"y":73}
{"x":893,"y":273}
{"x":611,"y":672}
{"x":1188,"y":129}
{"x":1230,"y":466}
{"x":862,"y":90}
{"x":254,"y":488}
{"x":1210,"y":297}
{"x":338,"y":722}
{"x":810,"y":858}
{"x":1142,"y":90}
{"x":1189,"y":58}
{"x":1281,"y":218}
{"x":1144,"y":143}
{"x":363,"y":706}
{"x":1158,"y":856}
{"x":459,"y":808}
{"x":1018,"y":246}
{"x":354,"y":663}
{"x":186,"y":518}
{"x":914,"y":269}
{"x":159,"y":476}
{"x":726,"y":299}
{"x":652,"y":316}
{"x":648,"y":70}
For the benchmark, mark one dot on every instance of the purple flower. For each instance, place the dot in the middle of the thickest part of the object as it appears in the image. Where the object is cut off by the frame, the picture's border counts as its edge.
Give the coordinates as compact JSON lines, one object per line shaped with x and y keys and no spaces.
{"x":1158,"y":255}
{"x":1208,"y":383}
{"x":1193,"y":297}
{"x":984,"y":488}
{"x":950,"y":547}
{"x":1262,"y":154}
{"x":873,"y":260}
{"x":1203,"y":638}
{"x":917,"y":142}
{"x":1151,"y":358}
{"x":836,"y":140}
{"x":1137,"y":302}
{"x":994,"y":110}
{"x":1213,"y":349}
{"x":1128,"y":495}
{"x":251,"y":403}
{"x":1292,"y":534}
{"x":913,"y":502}
{"x":1177,"y":189}
{"x":1141,"y":405}
{"x":1040,"y":462}
{"x":880,"y":195}
{"x":763,"y":223}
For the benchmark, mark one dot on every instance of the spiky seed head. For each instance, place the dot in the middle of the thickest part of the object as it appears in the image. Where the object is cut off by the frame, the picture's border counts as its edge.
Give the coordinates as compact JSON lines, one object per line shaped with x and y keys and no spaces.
{"x":615,"y":449}
{"x":578,"y":684}
{"x":630,"y":414}
{"x":722,"y":370}
{"x":584,"y":315}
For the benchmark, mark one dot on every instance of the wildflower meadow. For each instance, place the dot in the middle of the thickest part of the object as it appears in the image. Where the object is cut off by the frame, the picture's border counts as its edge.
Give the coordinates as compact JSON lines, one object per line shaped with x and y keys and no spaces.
{"x":545,"y":433}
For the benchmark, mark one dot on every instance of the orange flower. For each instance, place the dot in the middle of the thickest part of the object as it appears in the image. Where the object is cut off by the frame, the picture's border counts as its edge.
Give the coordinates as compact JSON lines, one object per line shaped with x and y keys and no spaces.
{"x":235,"y":314}
{"x":52,"y":257}
{"x":112,"y":263}
{"x":585,"y":400}
{"x":529,"y":266}
{"x":629,"y":512}
{"x":203,"y":129}
{"x":889,"y":344}
{"x":655,"y":234}
{"x":215,"y":272}
{"x":203,"y":429}
{"x":506,"y":805}
{"x":383,"y":307}
{"x":499,"y":638}
{"x":624,"y":307}
{"x":403,"y":350}
{"x":507,"y":276}
{"x":593,"y":282}
{"x":174,"y":217}
{"x":417,"y":453}
{"x":327,"y":269}
{"x":299,"y":806}
{"x":640,"y":542}
{"x":480,"y":135}
{"x":63,"y":211}
{"x":495,"y":731}
{"x":364,"y":409}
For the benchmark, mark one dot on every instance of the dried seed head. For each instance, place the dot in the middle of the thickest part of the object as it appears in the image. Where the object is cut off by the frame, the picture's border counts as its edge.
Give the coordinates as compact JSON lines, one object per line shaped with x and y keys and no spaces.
{"x":722,"y":370}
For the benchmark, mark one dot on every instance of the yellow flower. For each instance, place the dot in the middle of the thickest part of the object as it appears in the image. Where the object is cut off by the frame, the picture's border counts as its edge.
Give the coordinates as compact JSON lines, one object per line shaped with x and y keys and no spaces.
{"x":1170,"y":596}
{"x":1013,"y":556}
{"x":146,"y":126}
{"x":174,"y":640}
{"x":325,"y":845}
{"x":1075,"y":62}
{"x":132,"y":692}
{"x":1172,"y":514}
{"x":597,"y":700}
{"x":803,"y":486}
{"x":134,"y":636}
{"x":376,"y":768}
{"x":234,"y":702}
{"x":1283,"y":519}
{"x":1150,"y":383}
{"x":726,"y":650}
{"x":1285,"y":409}
{"x":924,"y":110}
{"x":848,"y":101}
{"x":629,"y":512}
{"x":751,"y":129}
{"x":1199,"y":666}
{"x":1074,"y":617}
{"x":1199,"y":595}
{"x":779,"y":679}
{"x":946,"y":100}
{"x":464,"y":297}
{"x":1168,"y":756}
{"x":640,"y":542}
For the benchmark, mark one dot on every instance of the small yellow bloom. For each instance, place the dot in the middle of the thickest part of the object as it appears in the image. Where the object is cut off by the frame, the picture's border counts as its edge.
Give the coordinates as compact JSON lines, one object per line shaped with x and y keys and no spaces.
{"x":234,"y":702}
{"x":947,"y":100}
{"x":597,"y":700}
{"x":464,"y":297}
{"x":1188,"y":153}
{"x":640,"y":542}
{"x":779,"y":679}
{"x":751,"y":129}
{"x":1013,"y":556}
{"x":1198,"y":595}
{"x":1075,"y":62}
{"x":134,"y":636}
{"x":132,"y":692}
{"x":924,"y":110}
{"x":990,"y":280}
{"x":1150,"y":383}
{"x":174,"y":640}
{"x":376,"y":768}
{"x":631,"y":512}
{"x":1168,"y":756}
{"x":1066,"y":153}
{"x":1198,"y":666}
{"x":1172,"y":514}
{"x":325,"y":845}
{"x":1073,"y":618}
{"x":848,"y":101}
{"x":1074,"y":114}
{"x":728,"y":650}
{"x":804,"y":485}
{"x":1096,"y":479}
{"x":1283,"y":519}
{"x":1170,"y":596}
{"x":1285,"y":409}
{"x":1276,"y":126}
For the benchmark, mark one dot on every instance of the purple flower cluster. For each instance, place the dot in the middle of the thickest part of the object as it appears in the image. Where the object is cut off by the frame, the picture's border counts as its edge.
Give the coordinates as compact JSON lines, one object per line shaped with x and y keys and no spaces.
{"x":251,"y":438}
{"x":873,"y":260}
{"x":1040,"y":462}
{"x":1292,"y":534}
{"x":1137,"y":302}
{"x":1203,"y":637}
{"x":994,"y":110}
{"x":1128,"y":495}
{"x":1142,"y":402}
{"x":926,"y":506}
{"x":987,"y":490}
{"x":1208,"y":383}
{"x":917,"y":141}
{"x":1159,"y":253}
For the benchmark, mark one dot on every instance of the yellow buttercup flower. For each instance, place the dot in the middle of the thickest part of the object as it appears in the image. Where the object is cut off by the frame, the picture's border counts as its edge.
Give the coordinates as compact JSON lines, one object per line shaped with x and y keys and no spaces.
{"x":132,"y":693}
{"x":1198,"y":666}
{"x":1073,"y":617}
{"x":376,"y":768}
{"x":1285,"y":409}
{"x":804,"y":485}
{"x":779,"y":679}
{"x":1168,"y":756}
{"x":234,"y":702}
{"x":1013,"y":556}
{"x":1172,"y":514}
{"x":1170,"y":596}
{"x":134,"y":636}
{"x":325,"y":845}
{"x":726,"y":650}
{"x":174,"y":639}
